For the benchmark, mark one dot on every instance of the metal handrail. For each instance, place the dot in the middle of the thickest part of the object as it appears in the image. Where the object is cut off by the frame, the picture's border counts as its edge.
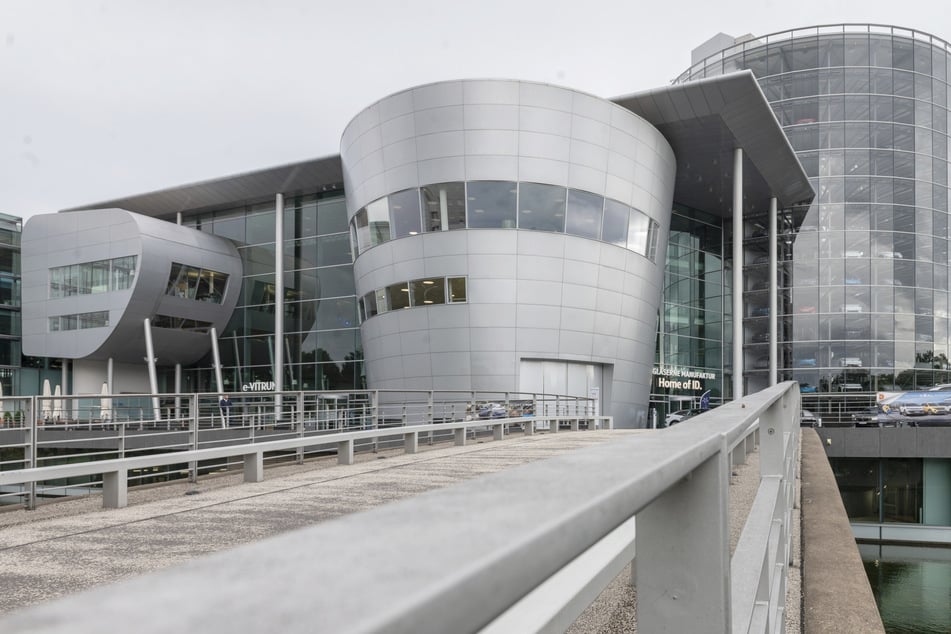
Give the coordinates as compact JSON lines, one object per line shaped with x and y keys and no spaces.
{"x":102,"y":427}
{"x":463,"y":558}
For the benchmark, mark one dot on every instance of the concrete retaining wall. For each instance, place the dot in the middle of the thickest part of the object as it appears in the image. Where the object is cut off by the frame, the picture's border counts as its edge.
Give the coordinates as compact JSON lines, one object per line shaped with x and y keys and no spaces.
{"x":836,"y":593}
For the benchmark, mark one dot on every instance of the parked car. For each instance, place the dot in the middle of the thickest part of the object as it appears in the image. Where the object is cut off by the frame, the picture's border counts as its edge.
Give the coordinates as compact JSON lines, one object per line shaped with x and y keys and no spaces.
{"x":895,"y":255}
{"x":760,"y":311}
{"x":866,"y":416}
{"x":492,"y":410}
{"x":806,"y":362}
{"x":853,"y":308}
{"x":681,"y":415}
{"x":913,"y":409}
{"x":850,"y":362}
{"x":808,"y":419}
{"x":760,"y":337}
{"x":806,"y":388}
{"x":850,"y":387}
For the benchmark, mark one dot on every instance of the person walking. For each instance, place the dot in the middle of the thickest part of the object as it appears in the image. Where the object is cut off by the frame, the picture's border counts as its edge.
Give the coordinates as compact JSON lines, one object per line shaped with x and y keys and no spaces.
{"x":225,"y":405}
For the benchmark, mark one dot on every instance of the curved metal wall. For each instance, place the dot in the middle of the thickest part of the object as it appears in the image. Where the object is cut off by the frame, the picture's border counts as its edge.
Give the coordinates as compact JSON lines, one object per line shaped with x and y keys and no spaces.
{"x":112,"y":233}
{"x":531,"y":294}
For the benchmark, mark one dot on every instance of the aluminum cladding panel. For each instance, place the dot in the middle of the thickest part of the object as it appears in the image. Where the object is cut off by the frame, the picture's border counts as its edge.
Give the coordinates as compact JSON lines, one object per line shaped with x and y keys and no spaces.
{"x":80,"y":237}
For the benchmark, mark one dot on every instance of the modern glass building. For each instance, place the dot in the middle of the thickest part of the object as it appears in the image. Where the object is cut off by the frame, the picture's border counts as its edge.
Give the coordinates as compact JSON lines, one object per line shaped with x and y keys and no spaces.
{"x":475,"y":235}
{"x":863,"y":279}
{"x":9,"y":303}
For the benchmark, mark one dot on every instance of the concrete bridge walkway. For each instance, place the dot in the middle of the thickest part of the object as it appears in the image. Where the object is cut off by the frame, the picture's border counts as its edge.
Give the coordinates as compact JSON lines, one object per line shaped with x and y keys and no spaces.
{"x":67,"y":547}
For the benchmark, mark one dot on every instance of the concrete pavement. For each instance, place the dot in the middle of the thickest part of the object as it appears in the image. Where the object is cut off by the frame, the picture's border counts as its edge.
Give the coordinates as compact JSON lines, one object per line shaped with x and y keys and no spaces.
{"x":67,"y":547}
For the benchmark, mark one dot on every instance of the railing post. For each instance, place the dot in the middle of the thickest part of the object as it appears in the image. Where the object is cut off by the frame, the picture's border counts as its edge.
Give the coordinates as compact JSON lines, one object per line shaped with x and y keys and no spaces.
{"x":254,"y":467}
{"x":498,"y":431}
{"x":345,"y":452}
{"x":115,"y":489}
{"x":460,"y":436}
{"x":193,"y":436}
{"x":429,"y":409}
{"x":120,"y":441}
{"x":30,"y":451}
{"x":411,"y":442}
{"x":299,"y":458}
{"x":683,"y":553}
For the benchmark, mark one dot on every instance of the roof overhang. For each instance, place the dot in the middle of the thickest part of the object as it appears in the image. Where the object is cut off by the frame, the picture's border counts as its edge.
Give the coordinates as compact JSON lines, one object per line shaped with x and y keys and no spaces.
{"x":704,"y":121}
{"x":324,"y":174}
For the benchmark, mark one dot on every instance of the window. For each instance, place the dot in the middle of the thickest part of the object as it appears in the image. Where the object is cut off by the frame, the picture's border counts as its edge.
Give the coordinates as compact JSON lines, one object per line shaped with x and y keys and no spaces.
{"x":429,"y":291}
{"x":190,"y":282}
{"x":491,"y":204}
{"x":79,"y":321}
{"x":584,"y":214}
{"x":404,"y":210}
{"x":89,"y":278}
{"x":180,"y":323}
{"x":541,"y":207}
{"x":444,"y":206}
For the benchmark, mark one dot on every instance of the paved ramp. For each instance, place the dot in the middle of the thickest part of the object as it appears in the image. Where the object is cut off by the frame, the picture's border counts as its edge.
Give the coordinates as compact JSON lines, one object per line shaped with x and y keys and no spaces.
{"x":71,"y":546}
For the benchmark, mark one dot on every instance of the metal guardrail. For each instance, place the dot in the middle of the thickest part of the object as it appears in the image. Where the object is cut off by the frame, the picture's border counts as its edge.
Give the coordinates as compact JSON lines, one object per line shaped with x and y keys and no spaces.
{"x":119,"y":436}
{"x":520,"y":550}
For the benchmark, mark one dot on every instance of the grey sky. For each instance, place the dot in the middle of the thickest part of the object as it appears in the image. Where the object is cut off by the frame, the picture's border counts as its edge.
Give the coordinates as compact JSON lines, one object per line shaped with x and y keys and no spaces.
{"x":116,"y":97}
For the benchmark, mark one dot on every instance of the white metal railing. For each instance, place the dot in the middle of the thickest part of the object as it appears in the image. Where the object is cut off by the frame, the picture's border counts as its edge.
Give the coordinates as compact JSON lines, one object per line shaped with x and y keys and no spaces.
{"x":121,"y":442}
{"x":521,"y":550}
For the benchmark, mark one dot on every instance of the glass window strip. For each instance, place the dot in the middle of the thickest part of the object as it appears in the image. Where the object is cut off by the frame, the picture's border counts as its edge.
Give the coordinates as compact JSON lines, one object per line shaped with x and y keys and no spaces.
{"x":444,"y":207}
{"x":79,"y":321}
{"x":429,"y":291}
{"x":90,"y":278}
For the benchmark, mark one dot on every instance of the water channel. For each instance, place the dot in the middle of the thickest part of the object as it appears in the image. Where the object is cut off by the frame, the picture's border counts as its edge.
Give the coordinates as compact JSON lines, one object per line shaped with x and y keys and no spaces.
{"x":912,"y":586}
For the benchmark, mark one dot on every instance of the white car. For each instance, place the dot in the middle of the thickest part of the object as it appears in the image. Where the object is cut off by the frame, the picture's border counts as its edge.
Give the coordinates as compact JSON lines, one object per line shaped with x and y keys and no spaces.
{"x":680,"y":415}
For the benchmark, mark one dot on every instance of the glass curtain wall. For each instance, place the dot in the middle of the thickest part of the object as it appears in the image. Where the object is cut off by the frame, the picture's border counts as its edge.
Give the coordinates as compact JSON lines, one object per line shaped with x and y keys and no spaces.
{"x":321,"y":331}
{"x":866,"y":109}
{"x":10,"y":361}
{"x":694,"y":328}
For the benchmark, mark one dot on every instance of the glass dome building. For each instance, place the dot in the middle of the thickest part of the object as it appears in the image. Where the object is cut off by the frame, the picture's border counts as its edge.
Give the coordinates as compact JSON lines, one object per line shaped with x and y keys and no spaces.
{"x":863,"y":270}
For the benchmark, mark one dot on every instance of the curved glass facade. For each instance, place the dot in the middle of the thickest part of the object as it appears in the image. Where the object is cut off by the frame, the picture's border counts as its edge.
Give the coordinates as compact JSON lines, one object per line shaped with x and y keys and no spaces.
{"x":865,"y":107}
{"x":321,"y":329}
{"x":502,"y":205}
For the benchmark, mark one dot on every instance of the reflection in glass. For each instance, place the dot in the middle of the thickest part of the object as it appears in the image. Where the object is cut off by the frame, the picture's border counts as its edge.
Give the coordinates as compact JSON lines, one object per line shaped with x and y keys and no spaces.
{"x":637,"y":232}
{"x":616,"y":216}
{"x":428,"y":291}
{"x":541,"y":207}
{"x":378,"y":218}
{"x":404,"y":207}
{"x":584,"y":214}
{"x":397,"y":296}
{"x":491,"y":204}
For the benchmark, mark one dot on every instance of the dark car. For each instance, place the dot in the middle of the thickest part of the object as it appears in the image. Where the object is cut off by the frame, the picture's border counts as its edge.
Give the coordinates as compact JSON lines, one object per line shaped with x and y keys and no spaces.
{"x":808,"y":419}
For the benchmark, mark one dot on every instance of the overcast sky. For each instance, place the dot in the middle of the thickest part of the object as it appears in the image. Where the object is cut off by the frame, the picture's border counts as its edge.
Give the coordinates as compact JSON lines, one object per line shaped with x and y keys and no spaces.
{"x":101,"y":99}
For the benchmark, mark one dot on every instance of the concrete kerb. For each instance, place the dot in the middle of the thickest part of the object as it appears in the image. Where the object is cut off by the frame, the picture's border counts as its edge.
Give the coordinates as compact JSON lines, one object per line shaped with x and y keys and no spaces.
{"x":837,"y":596}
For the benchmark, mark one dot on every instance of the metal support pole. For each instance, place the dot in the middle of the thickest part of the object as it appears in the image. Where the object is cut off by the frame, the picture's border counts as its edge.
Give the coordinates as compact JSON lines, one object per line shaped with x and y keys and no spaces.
{"x":216,"y":364}
{"x":178,"y":391}
{"x":773,"y":296}
{"x":737,"y":273}
{"x":109,"y":376}
{"x":153,"y":377}
{"x":278,"y":371}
